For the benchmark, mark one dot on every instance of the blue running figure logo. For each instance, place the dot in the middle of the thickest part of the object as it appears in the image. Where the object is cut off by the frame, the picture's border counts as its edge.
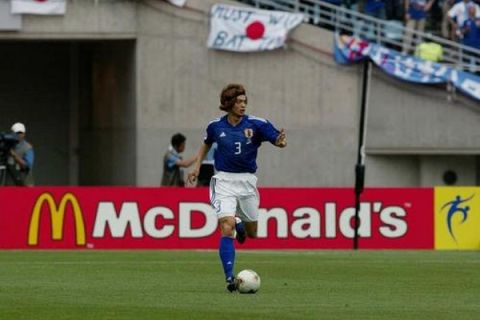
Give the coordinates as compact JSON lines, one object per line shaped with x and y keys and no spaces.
{"x":455,"y":208}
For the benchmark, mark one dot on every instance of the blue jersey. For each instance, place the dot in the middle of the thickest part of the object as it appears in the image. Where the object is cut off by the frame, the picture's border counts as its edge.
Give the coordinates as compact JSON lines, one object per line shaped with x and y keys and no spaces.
{"x":471,"y":36}
{"x":237,"y":146}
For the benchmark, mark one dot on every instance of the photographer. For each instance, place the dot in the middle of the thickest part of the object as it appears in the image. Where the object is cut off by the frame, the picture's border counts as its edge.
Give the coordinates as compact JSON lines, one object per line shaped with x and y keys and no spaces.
{"x":20,"y":160}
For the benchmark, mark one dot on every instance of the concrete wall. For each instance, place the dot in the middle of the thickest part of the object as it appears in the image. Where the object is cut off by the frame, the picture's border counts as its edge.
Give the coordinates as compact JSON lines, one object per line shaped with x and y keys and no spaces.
{"x":413,"y":130}
{"x":301,"y":89}
{"x":393,"y":170}
{"x":179,"y":81}
{"x":411,"y":118}
{"x":421,"y":170}
{"x":84,"y":19}
{"x":433,"y":168}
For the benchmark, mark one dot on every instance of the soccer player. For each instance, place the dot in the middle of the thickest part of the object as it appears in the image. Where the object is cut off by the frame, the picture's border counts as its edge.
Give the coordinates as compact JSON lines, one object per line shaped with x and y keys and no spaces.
{"x":233,"y":190}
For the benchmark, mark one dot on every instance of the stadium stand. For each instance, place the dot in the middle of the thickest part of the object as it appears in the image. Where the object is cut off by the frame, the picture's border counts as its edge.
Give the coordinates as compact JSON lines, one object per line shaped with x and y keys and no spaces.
{"x":383,"y":32}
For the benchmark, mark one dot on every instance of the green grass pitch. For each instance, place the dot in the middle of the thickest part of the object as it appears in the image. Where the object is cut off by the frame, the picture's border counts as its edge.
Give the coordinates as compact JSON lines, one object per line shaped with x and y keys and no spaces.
{"x":90,"y":285}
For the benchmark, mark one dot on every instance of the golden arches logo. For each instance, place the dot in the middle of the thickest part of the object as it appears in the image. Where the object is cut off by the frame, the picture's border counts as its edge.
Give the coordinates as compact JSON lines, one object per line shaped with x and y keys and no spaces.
{"x":57,"y":216}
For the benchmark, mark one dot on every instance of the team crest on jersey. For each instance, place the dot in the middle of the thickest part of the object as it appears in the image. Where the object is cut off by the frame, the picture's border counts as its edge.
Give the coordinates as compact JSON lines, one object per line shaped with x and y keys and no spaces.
{"x":248,"y":133}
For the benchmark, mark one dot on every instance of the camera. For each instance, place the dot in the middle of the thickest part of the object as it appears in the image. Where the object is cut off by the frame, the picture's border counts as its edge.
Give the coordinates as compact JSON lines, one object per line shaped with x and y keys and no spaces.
{"x":7,"y":142}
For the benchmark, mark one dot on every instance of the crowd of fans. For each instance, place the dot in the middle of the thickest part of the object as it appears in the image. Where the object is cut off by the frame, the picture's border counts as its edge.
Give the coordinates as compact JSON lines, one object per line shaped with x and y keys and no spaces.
{"x":456,"y":20}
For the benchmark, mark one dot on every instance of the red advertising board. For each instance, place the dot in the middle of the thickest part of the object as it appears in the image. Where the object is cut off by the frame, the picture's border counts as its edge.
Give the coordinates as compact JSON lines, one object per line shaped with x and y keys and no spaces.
{"x":176,"y":218}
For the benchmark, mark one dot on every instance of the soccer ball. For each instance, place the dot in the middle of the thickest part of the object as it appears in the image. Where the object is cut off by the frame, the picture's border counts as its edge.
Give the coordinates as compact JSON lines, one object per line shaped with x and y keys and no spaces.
{"x":248,"y":281}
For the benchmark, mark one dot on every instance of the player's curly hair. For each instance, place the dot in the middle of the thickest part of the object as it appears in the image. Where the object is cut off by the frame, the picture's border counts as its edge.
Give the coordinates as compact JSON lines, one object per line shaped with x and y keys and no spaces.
{"x":229,"y":95}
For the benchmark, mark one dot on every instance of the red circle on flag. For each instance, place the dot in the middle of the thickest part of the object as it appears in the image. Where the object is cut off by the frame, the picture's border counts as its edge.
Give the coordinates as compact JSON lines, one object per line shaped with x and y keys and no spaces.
{"x":255,"y":30}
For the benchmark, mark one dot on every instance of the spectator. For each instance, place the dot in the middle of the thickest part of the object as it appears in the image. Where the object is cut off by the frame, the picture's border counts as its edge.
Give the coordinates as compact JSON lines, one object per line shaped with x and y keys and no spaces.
{"x":20,"y":160}
{"x":173,"y":162}
{"x":458,"y":14}
{"x":349,"y":4}
{"x":394,"y":10}
{"x":471,"y":28}
{"x":470,"y":34}
{"x":321,"y":16}
{"x":415,"y":16}
{"x":375,"y":8}
{"x":446,"y":24}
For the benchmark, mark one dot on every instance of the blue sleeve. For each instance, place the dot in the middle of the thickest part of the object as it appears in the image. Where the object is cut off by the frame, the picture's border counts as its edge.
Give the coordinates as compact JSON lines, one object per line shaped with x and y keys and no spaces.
{"x":171,"y":161}
{"x":209,"y":136}
{"x":269,"y":132}
{"x":29,"y":157}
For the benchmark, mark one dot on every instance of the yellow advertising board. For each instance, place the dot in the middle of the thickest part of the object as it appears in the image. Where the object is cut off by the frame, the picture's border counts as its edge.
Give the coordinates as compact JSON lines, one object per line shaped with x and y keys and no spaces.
{"x":457,"y":218}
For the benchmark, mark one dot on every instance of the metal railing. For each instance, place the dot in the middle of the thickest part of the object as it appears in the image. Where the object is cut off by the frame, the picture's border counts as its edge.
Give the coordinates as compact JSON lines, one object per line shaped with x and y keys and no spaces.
{"x":388,"y":33}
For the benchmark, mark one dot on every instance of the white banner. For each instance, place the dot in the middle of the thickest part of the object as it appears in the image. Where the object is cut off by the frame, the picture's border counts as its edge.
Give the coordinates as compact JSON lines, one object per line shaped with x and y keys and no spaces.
{"x":247,"y":29}
{"x":178,"y":3}
{"x":38,"y":6}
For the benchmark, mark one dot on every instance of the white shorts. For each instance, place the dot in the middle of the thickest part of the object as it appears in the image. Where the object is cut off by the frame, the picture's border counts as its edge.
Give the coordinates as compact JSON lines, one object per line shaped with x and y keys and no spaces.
{"x":235,"y":194}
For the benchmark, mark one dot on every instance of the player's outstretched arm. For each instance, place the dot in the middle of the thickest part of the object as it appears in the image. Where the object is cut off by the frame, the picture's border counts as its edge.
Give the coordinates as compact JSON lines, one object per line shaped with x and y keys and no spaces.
{"x":185,"y":163}
{"x":202,"y":152}
{"x":281,"y":141}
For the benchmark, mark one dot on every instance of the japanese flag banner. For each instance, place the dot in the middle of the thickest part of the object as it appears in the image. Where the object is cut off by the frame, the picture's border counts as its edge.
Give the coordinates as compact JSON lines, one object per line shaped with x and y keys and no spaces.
{"x":178,"y":3}
{"x":246,"y":29}
{"x":46,"y":7}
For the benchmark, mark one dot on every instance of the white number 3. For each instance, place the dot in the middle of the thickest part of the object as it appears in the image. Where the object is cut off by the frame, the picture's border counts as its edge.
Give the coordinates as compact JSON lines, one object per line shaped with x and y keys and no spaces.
{"x":238,"y":146}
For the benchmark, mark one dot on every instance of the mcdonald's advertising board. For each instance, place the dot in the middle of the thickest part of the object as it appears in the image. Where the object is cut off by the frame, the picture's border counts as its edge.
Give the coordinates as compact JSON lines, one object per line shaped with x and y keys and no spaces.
{"x":182,"y":218}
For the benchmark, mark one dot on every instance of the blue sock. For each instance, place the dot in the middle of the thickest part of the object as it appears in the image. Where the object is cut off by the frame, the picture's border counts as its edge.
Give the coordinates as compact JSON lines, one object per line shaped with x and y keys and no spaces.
{"x":240,"y":227}
{"x":227,"y":255}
